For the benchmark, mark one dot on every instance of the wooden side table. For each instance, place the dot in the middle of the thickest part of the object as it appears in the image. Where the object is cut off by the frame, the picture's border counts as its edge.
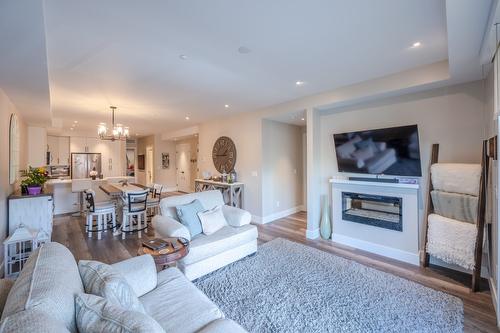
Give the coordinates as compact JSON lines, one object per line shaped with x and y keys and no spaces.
{"x":167,"y":256}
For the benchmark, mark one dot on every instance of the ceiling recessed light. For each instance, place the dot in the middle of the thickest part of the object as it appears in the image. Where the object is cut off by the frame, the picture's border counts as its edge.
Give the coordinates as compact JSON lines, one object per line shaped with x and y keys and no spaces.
{"x":76,"y":122}
{"x":187,"y":118}
{"x":416,"y":44}
{"x":303,"y":119}
{"x":244,"y":50}
{"x":183,"y":56}
{"x":71,"y":128}
{"x":299,"y":83}
{"x":226,"y":106}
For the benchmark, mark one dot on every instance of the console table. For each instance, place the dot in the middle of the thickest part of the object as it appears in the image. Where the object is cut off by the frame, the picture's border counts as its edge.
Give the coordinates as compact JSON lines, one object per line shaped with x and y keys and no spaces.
{"x":231,"y":193}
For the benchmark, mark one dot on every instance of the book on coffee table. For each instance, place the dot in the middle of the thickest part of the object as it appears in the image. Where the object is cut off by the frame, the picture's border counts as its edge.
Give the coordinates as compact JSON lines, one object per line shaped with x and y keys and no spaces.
{"x":155,"y":244}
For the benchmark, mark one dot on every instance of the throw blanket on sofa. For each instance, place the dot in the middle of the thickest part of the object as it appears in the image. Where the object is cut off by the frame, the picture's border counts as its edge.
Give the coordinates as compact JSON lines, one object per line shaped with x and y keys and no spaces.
{"x":451,"y":241}
{"x":455,"y":206}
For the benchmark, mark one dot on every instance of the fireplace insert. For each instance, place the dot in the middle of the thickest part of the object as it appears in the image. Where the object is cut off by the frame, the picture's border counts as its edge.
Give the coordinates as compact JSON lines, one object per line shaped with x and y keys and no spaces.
{"x":375,"y":210}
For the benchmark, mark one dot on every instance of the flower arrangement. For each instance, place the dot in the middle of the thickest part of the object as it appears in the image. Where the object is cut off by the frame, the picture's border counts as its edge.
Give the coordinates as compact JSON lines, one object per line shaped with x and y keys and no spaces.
{"x":34,"y":179}
{"x":93,"y":174}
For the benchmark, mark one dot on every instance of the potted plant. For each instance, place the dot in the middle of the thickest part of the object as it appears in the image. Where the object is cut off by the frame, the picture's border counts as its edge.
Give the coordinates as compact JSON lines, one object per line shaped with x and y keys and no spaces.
{"x":34,"y":180}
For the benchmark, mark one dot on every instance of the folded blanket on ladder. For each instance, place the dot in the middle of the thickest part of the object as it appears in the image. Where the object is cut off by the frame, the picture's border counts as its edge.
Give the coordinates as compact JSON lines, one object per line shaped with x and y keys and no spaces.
{"x":451,"y":241}
{"x":462,"y":207}
{"x":456,"y":177}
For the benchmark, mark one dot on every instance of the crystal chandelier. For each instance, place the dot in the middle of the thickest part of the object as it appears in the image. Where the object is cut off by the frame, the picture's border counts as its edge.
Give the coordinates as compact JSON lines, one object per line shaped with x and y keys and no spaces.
{"x":119,"y":132}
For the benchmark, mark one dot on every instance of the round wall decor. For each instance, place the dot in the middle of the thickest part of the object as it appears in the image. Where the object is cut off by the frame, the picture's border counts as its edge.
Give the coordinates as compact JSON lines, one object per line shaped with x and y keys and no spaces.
{"x":224,"y":154}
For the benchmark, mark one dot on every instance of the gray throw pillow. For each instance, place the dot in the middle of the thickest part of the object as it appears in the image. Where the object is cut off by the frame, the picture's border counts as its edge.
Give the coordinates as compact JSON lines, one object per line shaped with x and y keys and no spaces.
{"x":188,"y":216}
{"x":94,"y":314}
{"x":103,"y":280}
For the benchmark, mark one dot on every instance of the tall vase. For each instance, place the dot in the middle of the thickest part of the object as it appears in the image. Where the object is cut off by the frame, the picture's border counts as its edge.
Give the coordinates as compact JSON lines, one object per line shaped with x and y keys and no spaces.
{"x":325,"y":227}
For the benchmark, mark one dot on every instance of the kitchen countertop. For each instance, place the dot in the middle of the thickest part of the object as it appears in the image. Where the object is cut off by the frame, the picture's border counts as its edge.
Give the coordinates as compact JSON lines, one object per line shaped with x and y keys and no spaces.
{"x":69,"y":181}
{"x":17,"y":195}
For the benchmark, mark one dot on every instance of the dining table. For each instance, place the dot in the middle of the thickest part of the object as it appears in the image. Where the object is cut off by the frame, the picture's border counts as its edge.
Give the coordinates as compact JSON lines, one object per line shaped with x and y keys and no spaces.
{"x":117,"y":192}
{"x":119,"y":189}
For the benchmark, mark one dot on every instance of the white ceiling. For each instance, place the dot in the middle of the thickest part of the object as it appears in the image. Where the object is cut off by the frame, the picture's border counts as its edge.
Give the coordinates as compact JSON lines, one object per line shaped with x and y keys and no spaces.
{"x":23,"y":60}
{"x":126,"y":53}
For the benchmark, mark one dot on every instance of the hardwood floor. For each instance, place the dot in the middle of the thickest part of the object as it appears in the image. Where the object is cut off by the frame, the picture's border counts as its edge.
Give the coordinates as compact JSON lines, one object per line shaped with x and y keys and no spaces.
{"x":479,"y":314}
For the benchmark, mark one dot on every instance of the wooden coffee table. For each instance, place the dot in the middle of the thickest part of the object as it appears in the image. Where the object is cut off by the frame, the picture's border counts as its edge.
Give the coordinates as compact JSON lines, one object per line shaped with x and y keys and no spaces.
{"x":167,"y":256}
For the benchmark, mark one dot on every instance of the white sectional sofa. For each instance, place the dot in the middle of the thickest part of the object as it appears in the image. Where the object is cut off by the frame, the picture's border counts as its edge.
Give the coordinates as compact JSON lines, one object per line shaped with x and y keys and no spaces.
{"x":208,"y":253}
{"x":42,"y":299}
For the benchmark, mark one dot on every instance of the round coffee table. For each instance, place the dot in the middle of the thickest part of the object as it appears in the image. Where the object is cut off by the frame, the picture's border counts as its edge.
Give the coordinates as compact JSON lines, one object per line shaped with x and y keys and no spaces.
{"x":167,"y":256}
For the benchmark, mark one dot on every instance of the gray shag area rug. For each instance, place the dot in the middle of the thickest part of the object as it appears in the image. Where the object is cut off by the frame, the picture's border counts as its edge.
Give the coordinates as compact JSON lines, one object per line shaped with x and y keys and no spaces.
{"x":290,"y":287}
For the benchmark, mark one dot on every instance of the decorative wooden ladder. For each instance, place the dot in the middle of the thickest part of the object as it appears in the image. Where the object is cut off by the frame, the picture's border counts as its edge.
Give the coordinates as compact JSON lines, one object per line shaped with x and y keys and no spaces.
{"x":478,"y":250}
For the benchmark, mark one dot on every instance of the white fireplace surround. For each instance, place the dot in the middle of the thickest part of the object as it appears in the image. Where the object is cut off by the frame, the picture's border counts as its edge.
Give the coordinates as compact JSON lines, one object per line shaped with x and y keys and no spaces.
{"x":400,"y":245}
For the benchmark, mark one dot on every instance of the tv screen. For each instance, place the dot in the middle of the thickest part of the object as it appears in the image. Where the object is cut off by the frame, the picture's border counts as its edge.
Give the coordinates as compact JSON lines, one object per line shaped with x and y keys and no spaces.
{"x":390,"y":151}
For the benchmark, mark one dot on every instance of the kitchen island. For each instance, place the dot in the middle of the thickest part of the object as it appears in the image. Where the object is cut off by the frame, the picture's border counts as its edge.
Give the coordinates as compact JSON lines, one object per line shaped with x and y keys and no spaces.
{"x":66,"y":201}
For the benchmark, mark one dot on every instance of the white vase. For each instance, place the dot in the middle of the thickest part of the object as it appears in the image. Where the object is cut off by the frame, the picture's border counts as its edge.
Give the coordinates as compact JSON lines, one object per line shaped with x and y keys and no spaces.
{"x":325,"y":227}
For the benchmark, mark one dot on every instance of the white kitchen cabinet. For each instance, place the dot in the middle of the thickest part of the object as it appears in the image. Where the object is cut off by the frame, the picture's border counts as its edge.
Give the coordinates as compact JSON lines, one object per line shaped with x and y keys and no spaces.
{"x":53,"y":149}
{"x":58,"y":146}
{"x":78,"y":144}
{"x":112,"y":153}
{"x":81,"y":144}
{"x":64,"y":156}
{"x":93,"y":145}
{"x":34,"y":212}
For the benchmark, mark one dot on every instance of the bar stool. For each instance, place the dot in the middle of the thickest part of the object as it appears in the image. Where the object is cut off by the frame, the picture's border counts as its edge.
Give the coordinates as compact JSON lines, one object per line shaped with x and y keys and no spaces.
{"x":79,"y":186}
{"x":134,"y":212}
{"x":153,"y":204}
{"x":101,"y":210}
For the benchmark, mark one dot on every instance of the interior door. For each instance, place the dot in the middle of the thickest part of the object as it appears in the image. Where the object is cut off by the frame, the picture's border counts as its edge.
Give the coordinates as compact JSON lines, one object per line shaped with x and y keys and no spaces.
{"x":149,"y":167}
{"x":183,"y":158}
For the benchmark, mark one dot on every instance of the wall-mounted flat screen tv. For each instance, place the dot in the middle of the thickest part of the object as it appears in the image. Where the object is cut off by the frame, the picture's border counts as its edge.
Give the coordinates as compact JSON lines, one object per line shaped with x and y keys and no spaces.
{"x":387,"y":151}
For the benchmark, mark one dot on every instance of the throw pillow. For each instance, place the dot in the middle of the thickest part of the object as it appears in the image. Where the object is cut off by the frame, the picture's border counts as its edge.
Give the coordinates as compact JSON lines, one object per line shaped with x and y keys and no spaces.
{"x":188,"y":216}
{"x":95,"y":314}
{"x":103,"y":280}
{"x":212,"y":220}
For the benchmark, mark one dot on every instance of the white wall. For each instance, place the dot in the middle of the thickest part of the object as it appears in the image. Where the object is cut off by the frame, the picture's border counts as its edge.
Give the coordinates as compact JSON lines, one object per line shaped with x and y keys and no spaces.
{"x":245,"y":130}
{"x":452,"y":117}
{"x":282,"y":174}
{"x":6,"y":109}
{"x":142,"y":145}
{"x":166,"y":177}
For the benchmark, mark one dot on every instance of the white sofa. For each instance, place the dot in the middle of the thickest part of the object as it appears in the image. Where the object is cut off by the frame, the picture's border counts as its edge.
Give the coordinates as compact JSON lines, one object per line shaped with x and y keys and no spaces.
{"x":208,"y":253}
{"x":43,"y":297}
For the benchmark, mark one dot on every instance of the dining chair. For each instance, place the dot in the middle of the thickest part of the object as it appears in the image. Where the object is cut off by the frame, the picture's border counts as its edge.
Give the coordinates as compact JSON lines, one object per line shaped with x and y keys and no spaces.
{"x":101,"y":211}
{"x":134,"y":212}
{"x":153,"y":204}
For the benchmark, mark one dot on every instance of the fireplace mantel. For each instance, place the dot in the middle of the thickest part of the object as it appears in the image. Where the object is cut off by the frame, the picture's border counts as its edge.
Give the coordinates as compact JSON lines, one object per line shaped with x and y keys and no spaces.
{"x":397,"y":243}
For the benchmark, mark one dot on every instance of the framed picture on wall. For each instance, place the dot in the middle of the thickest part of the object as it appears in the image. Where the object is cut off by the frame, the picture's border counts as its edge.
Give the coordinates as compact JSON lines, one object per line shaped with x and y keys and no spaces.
{"x":141,"y":165}
{"x":165,"y":160}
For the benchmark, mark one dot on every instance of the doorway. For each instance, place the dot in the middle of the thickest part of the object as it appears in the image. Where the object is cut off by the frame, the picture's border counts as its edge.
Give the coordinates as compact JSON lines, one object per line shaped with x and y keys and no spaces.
{"x":149,"y":166}
{"x":183,"y":167}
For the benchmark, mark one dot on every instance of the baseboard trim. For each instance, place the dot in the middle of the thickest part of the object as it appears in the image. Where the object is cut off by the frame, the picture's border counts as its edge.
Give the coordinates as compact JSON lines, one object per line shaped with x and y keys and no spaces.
{"x":257,"y":219}
{"x":312,"y":234}
{"x":277,"y":215}
{"x":493,"y":289}
{"x":411,"y":258}
{"x":170,"y":189}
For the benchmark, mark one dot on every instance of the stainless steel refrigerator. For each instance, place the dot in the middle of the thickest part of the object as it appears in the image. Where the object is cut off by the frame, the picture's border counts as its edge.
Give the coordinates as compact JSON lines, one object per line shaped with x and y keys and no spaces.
{"x":83,"y":163}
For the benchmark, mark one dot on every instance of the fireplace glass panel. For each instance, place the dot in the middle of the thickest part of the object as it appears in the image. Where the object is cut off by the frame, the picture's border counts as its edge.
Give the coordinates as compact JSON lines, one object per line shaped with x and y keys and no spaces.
{"x":375,"y":210}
